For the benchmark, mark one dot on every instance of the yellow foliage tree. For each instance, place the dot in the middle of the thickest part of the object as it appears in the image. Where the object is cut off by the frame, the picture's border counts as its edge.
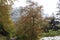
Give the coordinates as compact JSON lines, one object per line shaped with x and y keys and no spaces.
{"x":5,"y":20}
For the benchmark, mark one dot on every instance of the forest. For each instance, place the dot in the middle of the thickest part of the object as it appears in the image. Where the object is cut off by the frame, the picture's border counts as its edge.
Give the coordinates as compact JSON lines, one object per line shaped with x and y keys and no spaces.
{"x":31,"y":24}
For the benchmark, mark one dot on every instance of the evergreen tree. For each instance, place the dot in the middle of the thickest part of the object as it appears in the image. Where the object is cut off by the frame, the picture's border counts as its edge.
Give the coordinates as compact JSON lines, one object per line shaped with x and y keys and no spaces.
{"x":57,"y":18}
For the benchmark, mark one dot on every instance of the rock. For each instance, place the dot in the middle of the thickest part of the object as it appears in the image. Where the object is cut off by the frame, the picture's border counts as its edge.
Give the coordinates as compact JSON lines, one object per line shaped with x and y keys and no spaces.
{"x":51,"y":38}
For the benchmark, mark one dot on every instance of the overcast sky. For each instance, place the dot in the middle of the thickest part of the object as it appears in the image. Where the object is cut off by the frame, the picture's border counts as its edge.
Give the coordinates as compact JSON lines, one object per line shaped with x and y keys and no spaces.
{"x":49,"y":6}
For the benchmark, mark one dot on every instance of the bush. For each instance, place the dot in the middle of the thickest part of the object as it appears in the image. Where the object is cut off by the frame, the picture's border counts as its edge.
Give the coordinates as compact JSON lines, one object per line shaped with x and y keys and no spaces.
{"x":51,"y":33}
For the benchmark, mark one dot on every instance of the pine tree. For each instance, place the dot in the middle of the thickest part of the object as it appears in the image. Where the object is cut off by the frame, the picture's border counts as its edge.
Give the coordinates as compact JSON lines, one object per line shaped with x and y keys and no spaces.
{"x":57,"y":18}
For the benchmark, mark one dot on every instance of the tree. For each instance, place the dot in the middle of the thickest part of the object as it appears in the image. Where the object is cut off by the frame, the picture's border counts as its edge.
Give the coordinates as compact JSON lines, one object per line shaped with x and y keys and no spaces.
{"x":5,"y":20}
{"x":29,"y":25}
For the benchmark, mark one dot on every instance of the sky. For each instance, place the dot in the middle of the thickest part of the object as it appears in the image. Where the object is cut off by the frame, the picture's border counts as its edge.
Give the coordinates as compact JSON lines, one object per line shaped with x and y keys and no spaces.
{"x":49,"y":6}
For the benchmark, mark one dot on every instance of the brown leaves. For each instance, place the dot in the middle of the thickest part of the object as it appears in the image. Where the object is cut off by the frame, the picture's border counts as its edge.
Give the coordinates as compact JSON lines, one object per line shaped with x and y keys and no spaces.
{"x":30,"y":21}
